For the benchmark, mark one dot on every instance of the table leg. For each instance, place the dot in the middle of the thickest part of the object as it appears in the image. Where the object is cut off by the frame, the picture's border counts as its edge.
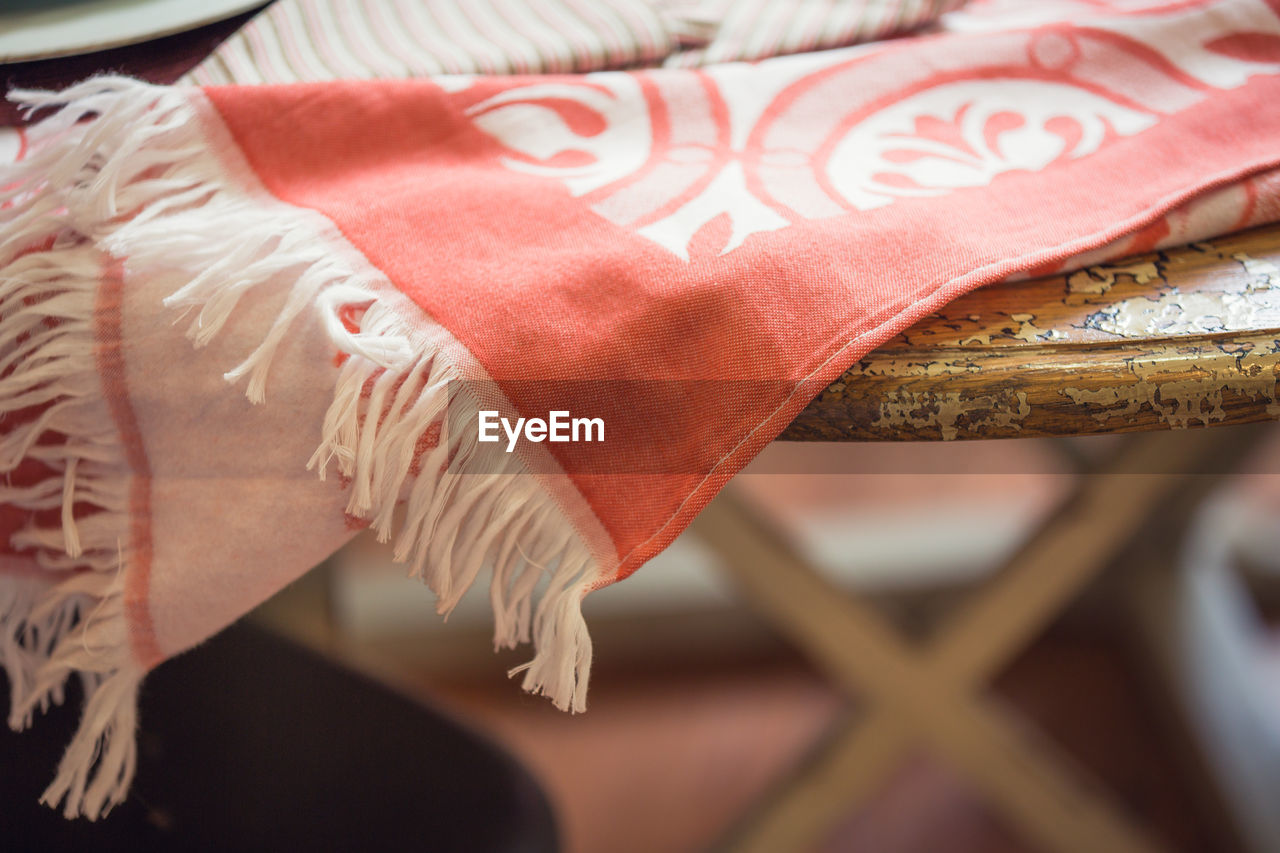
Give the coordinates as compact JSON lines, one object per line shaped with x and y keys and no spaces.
{"x":931,"y":695}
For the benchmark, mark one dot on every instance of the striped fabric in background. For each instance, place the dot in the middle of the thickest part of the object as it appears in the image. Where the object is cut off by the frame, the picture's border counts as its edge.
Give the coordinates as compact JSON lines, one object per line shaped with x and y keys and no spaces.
{"x":713,"y":31}
{"x":296,"y":40}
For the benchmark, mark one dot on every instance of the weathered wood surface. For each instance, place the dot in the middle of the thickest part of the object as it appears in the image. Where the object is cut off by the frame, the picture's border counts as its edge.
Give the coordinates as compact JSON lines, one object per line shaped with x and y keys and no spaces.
{"x":1181,"y":338}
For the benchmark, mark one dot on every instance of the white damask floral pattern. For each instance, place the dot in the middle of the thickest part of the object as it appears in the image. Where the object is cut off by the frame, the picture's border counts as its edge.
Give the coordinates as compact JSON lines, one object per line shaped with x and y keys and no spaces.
{"x":888,"y":134}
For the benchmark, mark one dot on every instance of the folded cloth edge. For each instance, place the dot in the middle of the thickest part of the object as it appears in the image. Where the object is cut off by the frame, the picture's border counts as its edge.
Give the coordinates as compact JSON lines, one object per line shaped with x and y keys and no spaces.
{"x":121,"y":170}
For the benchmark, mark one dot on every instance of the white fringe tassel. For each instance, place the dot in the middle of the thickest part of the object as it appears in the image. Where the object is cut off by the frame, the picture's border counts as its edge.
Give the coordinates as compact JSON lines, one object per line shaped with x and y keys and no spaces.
{"x":122,"y":167}
{"x":72,"y":620}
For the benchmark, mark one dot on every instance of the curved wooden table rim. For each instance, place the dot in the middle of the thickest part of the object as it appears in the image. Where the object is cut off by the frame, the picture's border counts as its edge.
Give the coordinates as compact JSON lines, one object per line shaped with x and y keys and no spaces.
{"x":1183,"y":337}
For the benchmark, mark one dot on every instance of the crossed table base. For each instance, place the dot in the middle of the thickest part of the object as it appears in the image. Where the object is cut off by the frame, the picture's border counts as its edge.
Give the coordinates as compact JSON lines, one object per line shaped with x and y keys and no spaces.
{"x":933,"y":696}
{"x":1039,"y":358}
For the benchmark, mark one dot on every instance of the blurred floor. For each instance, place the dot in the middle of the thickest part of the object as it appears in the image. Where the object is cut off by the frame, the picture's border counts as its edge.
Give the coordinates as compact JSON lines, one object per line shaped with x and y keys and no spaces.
{"x":667,"y":758}
{"x":696,"y":711}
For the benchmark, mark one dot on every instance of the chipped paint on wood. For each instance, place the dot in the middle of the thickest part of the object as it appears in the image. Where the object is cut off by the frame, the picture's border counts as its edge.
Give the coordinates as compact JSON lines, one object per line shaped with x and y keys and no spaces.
{"x":1028,"y":331}
{"x":907,"y":367}
{"x":1240,"y":305}
{"x":1183,"y":395}
{"x":1100,"y":279}
{"x":1177,"y":338}
{"x":1178,"y":313}
{"x":950,"y":412}
{"x":1259,"y":267}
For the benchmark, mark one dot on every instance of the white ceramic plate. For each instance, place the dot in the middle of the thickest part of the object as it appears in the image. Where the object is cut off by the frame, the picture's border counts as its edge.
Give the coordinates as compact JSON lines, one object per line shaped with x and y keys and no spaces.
{"x":40,"y":29}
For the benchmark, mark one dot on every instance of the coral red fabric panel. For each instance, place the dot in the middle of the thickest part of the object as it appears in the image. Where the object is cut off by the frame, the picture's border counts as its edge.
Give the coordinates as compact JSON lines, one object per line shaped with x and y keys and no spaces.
{"x":736,"y":237}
